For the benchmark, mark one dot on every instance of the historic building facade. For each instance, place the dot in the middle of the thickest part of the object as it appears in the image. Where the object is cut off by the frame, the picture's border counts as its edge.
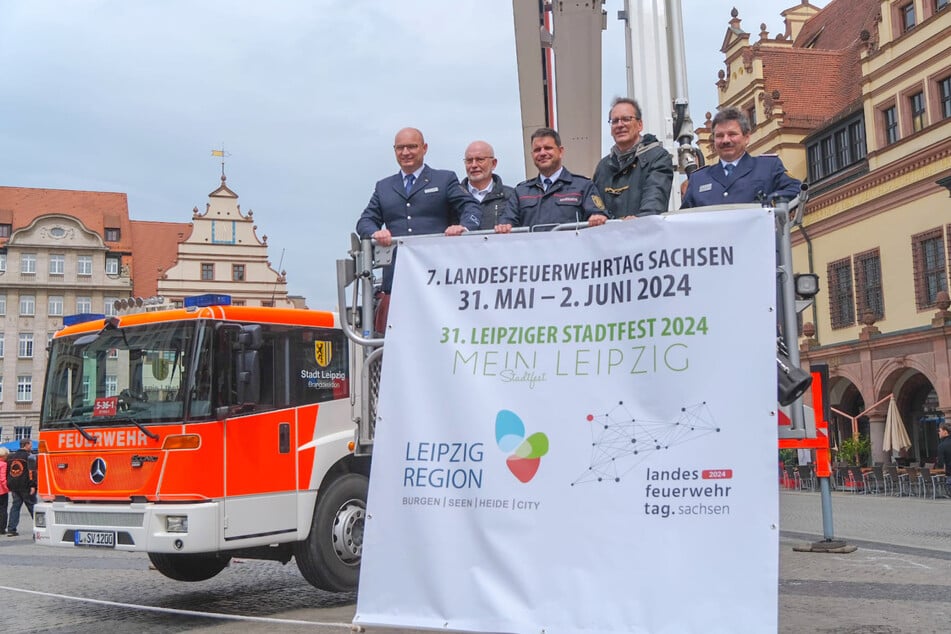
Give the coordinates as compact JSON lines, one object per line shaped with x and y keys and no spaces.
{"x":64,"y":252}
{"x":856,"y":98}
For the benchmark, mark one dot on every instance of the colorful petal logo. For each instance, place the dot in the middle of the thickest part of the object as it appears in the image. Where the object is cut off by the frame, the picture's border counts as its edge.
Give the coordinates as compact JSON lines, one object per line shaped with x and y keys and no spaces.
{"x":526,"y":452}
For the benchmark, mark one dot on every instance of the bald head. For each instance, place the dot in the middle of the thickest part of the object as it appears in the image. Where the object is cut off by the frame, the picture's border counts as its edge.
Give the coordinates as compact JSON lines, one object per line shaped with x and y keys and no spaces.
{"x":410,"y":148}
{"x":480,"y":162}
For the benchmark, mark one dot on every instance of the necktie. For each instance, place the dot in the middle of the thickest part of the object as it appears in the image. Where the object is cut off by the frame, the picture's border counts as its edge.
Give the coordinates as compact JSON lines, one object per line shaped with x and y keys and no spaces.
{"x":546,"y":183}
{"x":728,"y":168}
{"x":410,"y":179}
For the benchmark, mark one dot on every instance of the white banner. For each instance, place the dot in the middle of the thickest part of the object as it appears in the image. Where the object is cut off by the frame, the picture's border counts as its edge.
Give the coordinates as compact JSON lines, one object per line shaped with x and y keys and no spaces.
{"x":577,"y":432}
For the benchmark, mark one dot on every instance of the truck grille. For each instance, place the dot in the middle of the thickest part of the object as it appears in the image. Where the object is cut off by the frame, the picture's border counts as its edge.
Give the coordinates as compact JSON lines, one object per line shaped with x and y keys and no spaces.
{"x":98,"y":518}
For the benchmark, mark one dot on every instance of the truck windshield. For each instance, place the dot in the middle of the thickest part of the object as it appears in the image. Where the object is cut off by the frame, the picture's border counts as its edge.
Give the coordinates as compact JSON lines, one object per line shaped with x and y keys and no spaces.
{"x":145,"y":374}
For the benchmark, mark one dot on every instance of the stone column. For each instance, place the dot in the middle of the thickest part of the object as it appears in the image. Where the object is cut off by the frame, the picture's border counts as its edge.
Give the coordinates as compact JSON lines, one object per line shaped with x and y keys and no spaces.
{"x":876,"y":432}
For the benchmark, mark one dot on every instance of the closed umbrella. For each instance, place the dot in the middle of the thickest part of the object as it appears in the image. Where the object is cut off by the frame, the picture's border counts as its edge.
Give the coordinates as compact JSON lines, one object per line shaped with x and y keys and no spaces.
{"x":896,"y":438}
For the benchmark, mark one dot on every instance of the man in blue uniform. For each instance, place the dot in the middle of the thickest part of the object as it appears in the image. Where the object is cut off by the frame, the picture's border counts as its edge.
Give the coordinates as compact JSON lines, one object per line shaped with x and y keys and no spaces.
{"x":417,"y":200}
{"x":485,"y":186}
{"x":738,"y":177}
{"x":556,"y":196}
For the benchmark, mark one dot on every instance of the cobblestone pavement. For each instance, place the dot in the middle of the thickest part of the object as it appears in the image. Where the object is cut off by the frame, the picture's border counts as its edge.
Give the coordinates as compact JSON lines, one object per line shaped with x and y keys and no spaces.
{"x":898,"y":581}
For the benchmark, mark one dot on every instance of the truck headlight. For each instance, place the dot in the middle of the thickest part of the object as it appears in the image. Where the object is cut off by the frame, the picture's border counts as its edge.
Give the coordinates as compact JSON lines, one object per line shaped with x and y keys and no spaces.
{"x":39,"y":519}
{"x":176,"y":523}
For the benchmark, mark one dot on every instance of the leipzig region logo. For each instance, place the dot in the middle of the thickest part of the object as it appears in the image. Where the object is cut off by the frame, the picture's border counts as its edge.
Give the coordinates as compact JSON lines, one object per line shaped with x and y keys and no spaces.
{"x":526,"y":453}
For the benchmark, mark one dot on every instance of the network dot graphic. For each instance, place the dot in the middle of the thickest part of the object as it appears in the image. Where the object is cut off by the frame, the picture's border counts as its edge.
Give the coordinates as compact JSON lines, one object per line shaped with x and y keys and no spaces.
{"x":620,"y":441}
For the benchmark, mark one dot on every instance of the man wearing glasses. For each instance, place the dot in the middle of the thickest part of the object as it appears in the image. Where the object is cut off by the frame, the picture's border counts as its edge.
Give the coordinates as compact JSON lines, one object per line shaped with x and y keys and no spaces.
{"x":483,"y":184}
{"x":636,"y":175}
{"x":416,"y":200}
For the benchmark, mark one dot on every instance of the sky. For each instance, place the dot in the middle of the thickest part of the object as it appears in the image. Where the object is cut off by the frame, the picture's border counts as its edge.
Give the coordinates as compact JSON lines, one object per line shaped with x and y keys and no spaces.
{"x":305,"y":96}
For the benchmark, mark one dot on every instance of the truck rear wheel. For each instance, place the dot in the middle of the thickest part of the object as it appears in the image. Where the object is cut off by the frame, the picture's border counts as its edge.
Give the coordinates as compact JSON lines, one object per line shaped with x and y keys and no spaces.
{"x":329,"y":558}
{"x":190,"y":567}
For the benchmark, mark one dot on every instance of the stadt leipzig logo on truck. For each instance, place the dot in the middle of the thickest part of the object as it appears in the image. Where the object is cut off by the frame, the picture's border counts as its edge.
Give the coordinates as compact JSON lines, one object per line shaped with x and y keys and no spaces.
{"x":323,"y":352}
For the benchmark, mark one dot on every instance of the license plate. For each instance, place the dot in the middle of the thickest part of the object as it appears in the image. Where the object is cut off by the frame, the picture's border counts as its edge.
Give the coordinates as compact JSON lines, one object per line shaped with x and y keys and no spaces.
{"x":104,"y":539}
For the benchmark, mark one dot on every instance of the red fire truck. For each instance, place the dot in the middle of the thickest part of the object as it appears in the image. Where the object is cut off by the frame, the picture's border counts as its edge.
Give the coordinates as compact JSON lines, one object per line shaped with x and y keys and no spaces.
{"x":204,"y":433}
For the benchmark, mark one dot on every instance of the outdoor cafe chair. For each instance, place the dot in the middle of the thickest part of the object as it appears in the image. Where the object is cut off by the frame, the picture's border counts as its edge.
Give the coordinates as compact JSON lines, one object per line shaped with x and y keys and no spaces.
{"x":875,"y":480}
{"x":914,"y":481}
{"x":857,"y":479}
{"x":925,"y":480}
{"x":894,"y":480}
{"x":807,"y":477}
{"x":793,"y":476}
{"x":840,"y":477}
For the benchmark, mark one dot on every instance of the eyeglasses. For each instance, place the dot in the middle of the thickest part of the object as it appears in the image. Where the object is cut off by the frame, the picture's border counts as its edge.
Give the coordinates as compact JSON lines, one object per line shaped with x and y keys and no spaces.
{"x":627,"y":119}
{"x":477,"y":159}
{"x":412,"y":147}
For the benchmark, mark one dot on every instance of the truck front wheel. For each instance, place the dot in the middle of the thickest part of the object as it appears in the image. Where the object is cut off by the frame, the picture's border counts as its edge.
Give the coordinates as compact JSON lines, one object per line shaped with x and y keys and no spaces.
{"x":190,"y":567}
{"x":329,"y":558}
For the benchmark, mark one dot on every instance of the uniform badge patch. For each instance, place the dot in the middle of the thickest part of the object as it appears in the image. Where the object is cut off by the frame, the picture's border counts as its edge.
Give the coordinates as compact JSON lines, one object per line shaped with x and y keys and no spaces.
{"x":597,"y":201}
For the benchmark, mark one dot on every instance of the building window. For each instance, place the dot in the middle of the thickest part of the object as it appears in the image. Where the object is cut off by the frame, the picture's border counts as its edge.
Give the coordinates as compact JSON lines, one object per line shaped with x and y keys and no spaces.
{"x":868,"y":284}
{"x":917,"y":103}
{"x":237,"y":272}
{"x":109,"y":306}
{"x":112,"y":234}
{"x":815,"y":166}
{"x":207,"y":271}
{"x":944,"y":87}
{"x":3,"y":303}
{"x":857,"y":140}
{"x":5,"y":229}
{"x":930,"y":267}
{"x":22,"y":431}
{"x":890,"y":118}
{"x":83,"y":304}
{"x":57,"y":264}
{"x":84,"y":265}
{"x":112,"y":266}
{"x":28,"y":263}
{"x":3,"y":261}
{"x":112,"y":385}
{"x":55,"y":305}
{"x":940,"y":4}
{"x":841,"y":302}
{"x":751,"y":115}
{"x":24,"y":389}
{"x":25,"y":349}
{"x":907,"y":13}
{"x":837,"y":149}
{"x":1,"y":345}
{"x":27,"y":305}
{"x":842,"y":147}
{"x":1,"y":392}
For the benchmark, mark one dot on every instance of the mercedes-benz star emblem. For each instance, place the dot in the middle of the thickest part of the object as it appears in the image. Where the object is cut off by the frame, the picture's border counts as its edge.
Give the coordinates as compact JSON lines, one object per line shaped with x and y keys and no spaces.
{"x":97,"y":472}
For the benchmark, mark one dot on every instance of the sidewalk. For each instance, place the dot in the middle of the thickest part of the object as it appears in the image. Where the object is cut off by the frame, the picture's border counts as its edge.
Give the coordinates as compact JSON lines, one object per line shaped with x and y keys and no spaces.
{"x":898,"y":581}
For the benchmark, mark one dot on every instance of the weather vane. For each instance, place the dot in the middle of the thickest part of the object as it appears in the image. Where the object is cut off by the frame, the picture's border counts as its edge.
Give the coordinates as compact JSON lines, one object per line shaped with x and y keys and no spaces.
{"x":221,"y":153}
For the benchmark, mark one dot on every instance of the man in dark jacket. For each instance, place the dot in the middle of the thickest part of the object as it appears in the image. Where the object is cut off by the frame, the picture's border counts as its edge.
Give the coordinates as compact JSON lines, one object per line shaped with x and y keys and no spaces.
{"x":417,"y":200}
{"x":944,"y":454}
{"x":483,"y":184}
{"x":636,"y":176}
{"x":555,"y":196}
{"x":21,"y":478}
